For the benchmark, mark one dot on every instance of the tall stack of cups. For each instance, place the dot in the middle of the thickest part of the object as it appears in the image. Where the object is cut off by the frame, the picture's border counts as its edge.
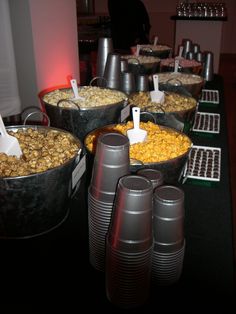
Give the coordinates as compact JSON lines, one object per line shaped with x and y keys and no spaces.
{"x":130,"y":243}
{"x":187,"y":44}
{"x":128,"y":82}
{"x":208,"y":66}
{"x":168,"y":228}
{"x":110,"y":163}
{"x":112,"y":71}
{"x":105,"y":46}
{"x":142,"y":83}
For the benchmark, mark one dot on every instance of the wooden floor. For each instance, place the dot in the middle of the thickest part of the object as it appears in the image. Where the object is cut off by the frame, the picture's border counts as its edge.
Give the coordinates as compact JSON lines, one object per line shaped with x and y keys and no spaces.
{"x":228,"y":71}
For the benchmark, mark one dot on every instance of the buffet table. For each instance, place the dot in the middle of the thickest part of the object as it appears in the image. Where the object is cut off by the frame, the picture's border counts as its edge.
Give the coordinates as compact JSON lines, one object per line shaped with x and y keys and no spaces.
{"x":55,"y":268}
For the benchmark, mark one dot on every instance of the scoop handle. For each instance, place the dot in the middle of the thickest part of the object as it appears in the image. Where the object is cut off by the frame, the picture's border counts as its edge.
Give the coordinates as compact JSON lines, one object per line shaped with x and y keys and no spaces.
{"x":176,"y":66}
{"x":136,"y":117}
{"x":3,"y":130}
{"x":155,"y":82}
{"x":75,"y":88}
{"x":155,"y":40}
{"x":138,"y":50}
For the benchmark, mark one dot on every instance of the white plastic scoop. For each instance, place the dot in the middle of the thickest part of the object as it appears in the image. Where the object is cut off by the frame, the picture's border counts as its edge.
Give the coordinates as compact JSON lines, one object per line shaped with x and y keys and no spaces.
{"x":181,"y":48}
{"x":8,"y":144}
{"x":75,"y":90}
{"x":136,"y":134}
{"x":155,"y":40}
{"x":176,"y":67}
{"x":137,"y":50}
{"x":156,"y":95}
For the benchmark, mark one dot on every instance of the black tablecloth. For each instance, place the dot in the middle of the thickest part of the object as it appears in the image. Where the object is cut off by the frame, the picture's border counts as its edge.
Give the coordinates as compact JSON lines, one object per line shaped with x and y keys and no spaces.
{"x":55,"y":267}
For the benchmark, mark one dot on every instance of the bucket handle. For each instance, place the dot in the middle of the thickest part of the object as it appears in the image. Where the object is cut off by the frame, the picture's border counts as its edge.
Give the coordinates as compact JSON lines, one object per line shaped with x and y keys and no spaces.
{"x":174,"y":79}
{"x":69,"y":101}
{"x":37,"y":112}
{"x":159,"y":107}
{"x":135,"y":162}
{"x":79,"y":169}
{"x":149,"y":114}
{"x":98,"y":78}
{"x":146,"y":48}
{"x":136,"y":61}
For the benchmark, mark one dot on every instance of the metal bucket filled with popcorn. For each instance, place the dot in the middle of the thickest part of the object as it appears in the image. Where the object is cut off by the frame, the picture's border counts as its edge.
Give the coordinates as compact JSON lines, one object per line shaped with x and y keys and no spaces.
{"x":35,"y":189}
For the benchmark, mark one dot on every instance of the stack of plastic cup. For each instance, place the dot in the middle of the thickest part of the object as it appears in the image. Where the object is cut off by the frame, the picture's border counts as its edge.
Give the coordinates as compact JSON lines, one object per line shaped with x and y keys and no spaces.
{"x":142,"y":84}
{"x":208,"y":66}
{"x":127,"y":82}
{"x":169,"y":241}
{"x":105,"y":46}
{"x":154,"y":175}
{"x":129,"y":243}
{"x":112,"y":71}
{"x":187,"y":44}
{"x":111,"y":162}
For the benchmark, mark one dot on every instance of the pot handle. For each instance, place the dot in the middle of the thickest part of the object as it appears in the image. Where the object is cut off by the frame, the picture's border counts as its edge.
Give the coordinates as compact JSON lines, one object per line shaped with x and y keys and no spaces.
{"x":149,"y":114}
{"x":134,"y":162}
{"x":96,"y":78}
{"x":69,"y":101}
{"x":37,"y":112}
{"x":174,"y":79}
{"x":78,"y":171}
{"x":147,"y":49}
{"x":136,"y":61}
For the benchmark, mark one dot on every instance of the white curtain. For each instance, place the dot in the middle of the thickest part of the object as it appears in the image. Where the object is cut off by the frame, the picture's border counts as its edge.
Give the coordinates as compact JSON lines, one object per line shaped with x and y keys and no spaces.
{"x":9,"y":95}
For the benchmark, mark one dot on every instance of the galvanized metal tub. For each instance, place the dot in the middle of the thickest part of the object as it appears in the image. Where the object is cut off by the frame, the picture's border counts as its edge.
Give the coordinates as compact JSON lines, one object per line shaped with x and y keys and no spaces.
{"x":180,"y":120}
{"x":137,"y":67}
{"x":35,"y":204}
{"x":171,"y":169}
{"x":79,"y":120}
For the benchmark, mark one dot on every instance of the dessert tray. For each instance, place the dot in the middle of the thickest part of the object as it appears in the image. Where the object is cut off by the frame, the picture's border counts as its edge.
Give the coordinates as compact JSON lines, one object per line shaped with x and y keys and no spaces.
{"x":204,"y":164}
{"x":209,"y":96}
{"x":206,"y":122}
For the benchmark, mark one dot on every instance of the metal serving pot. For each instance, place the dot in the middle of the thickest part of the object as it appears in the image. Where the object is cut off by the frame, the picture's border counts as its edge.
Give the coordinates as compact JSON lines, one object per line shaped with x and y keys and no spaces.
{"x":37,"y":203}
{"x":180,"y":120}
{"x":138,"y":68}
{"x":172,"y":169}
{"x":180,"y":83}
{"x":79,"y":120}
{"x":195,"y":69}
{"x":154,"y":51}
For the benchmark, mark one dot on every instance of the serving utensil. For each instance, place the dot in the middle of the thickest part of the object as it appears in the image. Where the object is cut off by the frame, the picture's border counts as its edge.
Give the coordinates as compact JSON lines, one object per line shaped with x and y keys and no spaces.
{"x":155,"y":40}
{"x":75,"y":90}
{"x":137,"y":50}
{"x":157,"y":95}
{"x":136,"y":134}
{"x":180,"y":56}
{"x":8,"y":143}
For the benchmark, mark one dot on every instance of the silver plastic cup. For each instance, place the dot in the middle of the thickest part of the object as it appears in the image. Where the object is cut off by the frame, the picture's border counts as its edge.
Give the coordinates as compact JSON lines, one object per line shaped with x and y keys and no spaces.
{"x":187,"y":44}
{"x":195,"y":48}
{"x":168,"y":218}
{"x":105,"y":46}
{"x":167,"y":267}
{"x":123,"y":65}
{"x":190,"y":55}
{"x":131,"y":224}
{"x":128,"y":277}
{"x":208,"y":67}
{"x":154,"y":175}
{"x":199,"y":57}
{"x":127,"y":82}
{"x":110,"y":163}
{"x":142,"y":83}
{"x":112,"y":71}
